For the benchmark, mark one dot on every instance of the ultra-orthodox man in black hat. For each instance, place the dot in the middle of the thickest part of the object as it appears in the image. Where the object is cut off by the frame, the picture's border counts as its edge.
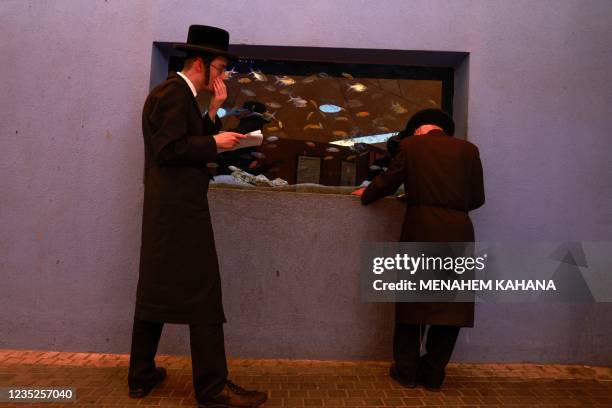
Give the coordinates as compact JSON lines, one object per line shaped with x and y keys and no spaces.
{"x":179,"y":278}
{"x":442,"y":176}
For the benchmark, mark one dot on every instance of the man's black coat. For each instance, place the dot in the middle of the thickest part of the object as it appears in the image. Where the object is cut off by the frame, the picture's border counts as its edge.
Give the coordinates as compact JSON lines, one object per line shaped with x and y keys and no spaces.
{"x":179,"y":274}
{"x":443,"y":179}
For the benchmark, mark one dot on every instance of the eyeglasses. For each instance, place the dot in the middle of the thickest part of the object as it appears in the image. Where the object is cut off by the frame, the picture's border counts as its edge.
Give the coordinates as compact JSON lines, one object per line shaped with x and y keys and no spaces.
{"x":219,"y":69}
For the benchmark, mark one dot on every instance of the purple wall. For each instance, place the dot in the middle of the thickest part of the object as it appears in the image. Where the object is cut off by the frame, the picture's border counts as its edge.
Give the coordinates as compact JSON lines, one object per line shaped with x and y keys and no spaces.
{"x":75,"y":75}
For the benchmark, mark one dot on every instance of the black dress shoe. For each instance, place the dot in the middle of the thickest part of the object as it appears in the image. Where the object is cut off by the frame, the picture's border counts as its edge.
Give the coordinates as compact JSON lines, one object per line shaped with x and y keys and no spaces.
{"x":233,"y":396}
{"x":430,"y":386}
{"x":430,"y":378}
{"x":431,"y":381}
{"x":405,"y":382}
{"x":141,"y":392}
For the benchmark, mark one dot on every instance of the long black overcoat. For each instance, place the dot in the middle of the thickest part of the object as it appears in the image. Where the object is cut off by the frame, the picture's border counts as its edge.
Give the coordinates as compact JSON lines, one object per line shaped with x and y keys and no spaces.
{"x":443,"y":180}
{"x":179,"y":274}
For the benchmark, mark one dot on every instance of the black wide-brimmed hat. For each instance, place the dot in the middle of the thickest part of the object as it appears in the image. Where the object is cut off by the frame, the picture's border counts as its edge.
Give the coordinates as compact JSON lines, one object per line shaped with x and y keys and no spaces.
{"x":429,"y":117}
{"x":254,"y":121}
{"x":206,"y":40}
{"x":255,"y":106}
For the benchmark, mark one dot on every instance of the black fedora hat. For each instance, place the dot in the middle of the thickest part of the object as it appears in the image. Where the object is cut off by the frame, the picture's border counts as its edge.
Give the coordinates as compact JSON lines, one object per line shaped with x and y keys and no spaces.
{"x":255,"y":106}
{"x":256,"y":120}
{"x":430,"y":116}
{"x":206,"y":40}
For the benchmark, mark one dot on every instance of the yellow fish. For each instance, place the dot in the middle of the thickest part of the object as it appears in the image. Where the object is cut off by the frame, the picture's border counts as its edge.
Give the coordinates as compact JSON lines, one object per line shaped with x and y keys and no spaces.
{"x":316,"y":127}
{"x":310,"y":144}
{"x":362,"y":114}
{"x":398,"y":108}
{"x":310,"y":79}
{"x":342,"y":119}
{"x":272,"y":129}
{"x":328,"y":158}
{"x":351,"y":157}
{"x":285,"y":80}
{"x":244,"y":81}
{"x":349,"y":76}
{"x":340,"y":133}
{"x":358,"y":87}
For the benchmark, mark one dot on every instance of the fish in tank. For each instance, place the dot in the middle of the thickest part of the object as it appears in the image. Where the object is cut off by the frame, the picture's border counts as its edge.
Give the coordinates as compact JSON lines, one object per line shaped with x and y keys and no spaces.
{"x":341,"y":113}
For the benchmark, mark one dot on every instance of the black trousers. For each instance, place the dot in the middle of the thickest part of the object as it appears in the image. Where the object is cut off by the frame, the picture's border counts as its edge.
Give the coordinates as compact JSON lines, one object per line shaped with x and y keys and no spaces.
{"x":407,"y":351}
{"x":208,"y":362}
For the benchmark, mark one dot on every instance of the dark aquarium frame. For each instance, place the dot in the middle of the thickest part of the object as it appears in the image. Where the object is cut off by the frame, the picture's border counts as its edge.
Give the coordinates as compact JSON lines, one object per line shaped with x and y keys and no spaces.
{"x":305,"y":61}
{"x":451,"y":68}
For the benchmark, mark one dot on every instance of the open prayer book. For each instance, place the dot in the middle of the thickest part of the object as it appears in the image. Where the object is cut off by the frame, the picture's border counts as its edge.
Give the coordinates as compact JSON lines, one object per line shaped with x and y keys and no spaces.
{"x":254,"y":138}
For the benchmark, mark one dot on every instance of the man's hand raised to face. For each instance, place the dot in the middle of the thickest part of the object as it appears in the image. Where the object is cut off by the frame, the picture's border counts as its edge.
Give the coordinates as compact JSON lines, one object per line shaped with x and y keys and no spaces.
{"x":219,"y":96}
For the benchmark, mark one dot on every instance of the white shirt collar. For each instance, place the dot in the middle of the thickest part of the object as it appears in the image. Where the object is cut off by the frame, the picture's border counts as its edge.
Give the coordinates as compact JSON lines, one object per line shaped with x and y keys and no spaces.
{"x":193,"y":90}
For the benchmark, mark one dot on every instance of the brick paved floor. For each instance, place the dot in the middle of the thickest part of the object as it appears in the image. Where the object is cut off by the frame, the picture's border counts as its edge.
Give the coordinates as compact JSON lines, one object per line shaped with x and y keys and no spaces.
{"x":100,"y":381}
